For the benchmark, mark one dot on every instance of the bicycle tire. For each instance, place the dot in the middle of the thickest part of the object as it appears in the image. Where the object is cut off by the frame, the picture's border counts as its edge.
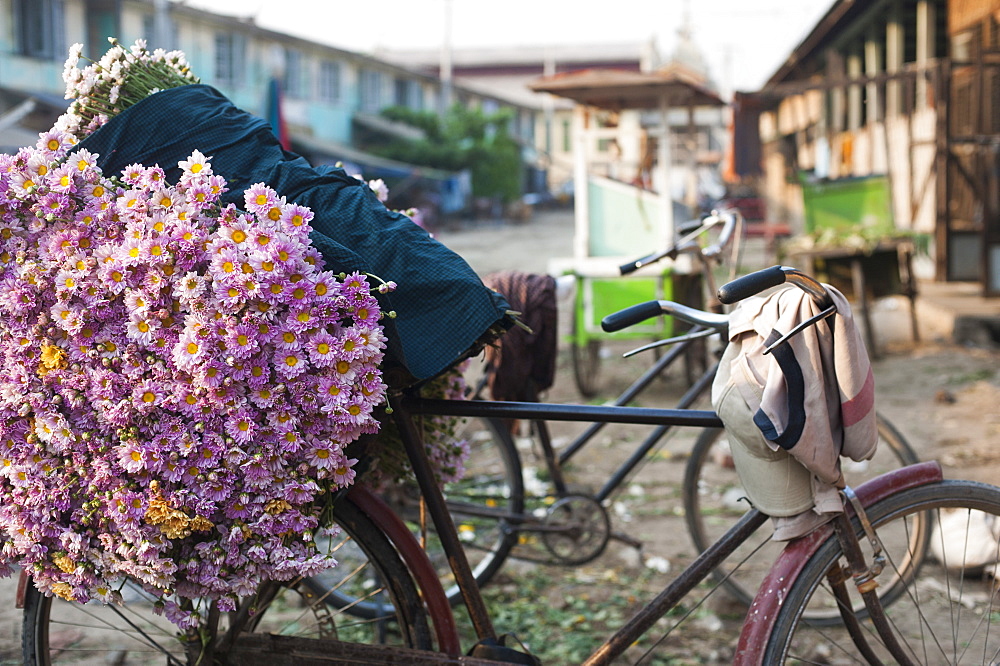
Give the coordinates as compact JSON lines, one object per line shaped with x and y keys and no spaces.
{"x":711,"y":489}
{"x":967,"y":609}
{"x":54,"y":630}
{"x":586,"y":359}
{"x":491,"y":488}
{"x":494,"y":464}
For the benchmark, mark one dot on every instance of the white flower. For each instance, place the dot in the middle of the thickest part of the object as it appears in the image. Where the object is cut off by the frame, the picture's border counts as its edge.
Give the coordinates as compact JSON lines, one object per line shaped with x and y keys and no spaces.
{"x":380,"y":189}
{"x":196,"y":165}
{"x":75,"y":52}
{"x":113,"y":55}
{"x":658,"y":564}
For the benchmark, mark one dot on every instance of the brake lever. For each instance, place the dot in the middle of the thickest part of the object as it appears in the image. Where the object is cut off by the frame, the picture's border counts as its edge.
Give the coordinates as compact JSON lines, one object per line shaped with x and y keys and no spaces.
{"x":832,"y":310}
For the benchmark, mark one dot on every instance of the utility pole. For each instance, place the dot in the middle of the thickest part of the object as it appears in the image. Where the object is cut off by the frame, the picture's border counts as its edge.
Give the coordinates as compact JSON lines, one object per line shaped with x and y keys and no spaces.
{"x":445,"y":65}
{"x":161,"y":26}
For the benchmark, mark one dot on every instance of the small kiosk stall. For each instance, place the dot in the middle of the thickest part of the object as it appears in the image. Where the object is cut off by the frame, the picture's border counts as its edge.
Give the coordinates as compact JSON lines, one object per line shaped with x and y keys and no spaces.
{"x":623,"y":207}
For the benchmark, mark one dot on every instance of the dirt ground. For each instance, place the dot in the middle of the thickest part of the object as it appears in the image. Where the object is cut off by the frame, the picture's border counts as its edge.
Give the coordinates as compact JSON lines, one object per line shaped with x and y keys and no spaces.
{"x":943,"y":398}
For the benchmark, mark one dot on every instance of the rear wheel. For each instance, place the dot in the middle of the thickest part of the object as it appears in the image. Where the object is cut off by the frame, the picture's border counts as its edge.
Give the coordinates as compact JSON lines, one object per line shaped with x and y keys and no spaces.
{"x":486,"y":503}
{"x":56,"y":631}
{"x":714,"y":500}
{"x":948,"y":609}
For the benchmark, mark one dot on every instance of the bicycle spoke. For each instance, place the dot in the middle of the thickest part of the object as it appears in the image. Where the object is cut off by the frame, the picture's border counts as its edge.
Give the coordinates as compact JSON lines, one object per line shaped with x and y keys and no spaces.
{"x":715,"y":588}
{"x":940,"y":614}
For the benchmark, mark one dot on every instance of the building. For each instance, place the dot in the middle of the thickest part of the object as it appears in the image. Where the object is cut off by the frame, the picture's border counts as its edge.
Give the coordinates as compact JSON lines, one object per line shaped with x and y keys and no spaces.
{"x":624,"y":151}
{"x":897,"y":92}
{"x":329,"y":94}
{"x":507,"y":72}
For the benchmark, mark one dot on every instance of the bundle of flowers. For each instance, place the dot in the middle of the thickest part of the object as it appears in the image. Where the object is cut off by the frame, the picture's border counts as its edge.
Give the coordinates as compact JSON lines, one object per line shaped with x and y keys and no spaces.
{"x":122,"y":77}
{"x":179,"y":382}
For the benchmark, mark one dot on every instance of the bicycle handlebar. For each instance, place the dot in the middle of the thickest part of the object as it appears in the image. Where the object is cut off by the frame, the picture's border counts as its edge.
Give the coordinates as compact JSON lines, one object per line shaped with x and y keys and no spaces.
{"x":643,"y":311}
{"x":686,"y":245}
{"x":737,"y":290}
{"x":756,"y":282}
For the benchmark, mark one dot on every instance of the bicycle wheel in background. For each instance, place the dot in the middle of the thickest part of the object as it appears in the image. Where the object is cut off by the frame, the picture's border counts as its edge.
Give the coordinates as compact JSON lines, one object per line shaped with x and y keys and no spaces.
{"x":483,"y":505}
{"x":56,"y":631}
{"x":949,"y":611}
{"x":714,"y":500}
{"x":586,"y":356}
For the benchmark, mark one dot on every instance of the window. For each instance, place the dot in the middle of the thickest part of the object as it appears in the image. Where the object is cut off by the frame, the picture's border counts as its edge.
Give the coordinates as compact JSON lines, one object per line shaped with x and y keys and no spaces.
{"x":371,"y":91}
{"x":150,"y":29}
{"x":295,"y":83}
{"x":415,"y":96}
{"x":407,"y":93}
{"x":329,"y":81}
{"x":39,"y":25}
{"x":399,"y":92}
{"x":230,"y":54}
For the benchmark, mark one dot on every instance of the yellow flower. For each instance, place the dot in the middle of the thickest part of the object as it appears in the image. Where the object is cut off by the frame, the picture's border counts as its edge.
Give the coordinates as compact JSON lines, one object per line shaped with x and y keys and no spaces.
{"x":201,"y":524}
{"x":65,"y":564}
{"x":158,"y":511}
{"x":53,"y":358}
{"x":177,"y":526}
{"x":276,"y":506}
{"x":63,"y":590}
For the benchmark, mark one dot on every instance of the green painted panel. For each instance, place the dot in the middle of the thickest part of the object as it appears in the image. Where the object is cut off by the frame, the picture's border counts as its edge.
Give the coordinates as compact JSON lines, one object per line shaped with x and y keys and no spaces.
{"x":599,"y":297}
{"x":623,"y":223}
{"x":848,"y":203}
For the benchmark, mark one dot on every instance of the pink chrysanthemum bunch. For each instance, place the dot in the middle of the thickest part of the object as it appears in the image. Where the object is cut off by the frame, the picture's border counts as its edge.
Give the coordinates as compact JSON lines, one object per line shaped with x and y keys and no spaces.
{"x":121,"y":78}
{"x":179,"y":381}
{"x":446,"y":449}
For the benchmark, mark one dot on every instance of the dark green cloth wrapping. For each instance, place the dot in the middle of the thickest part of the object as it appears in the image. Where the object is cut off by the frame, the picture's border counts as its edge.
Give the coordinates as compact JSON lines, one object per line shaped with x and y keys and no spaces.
{"x":442,"y":306}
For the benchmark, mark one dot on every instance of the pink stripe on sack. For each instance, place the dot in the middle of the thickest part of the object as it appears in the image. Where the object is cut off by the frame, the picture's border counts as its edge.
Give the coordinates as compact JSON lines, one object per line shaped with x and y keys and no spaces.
{"x":861,"y":405}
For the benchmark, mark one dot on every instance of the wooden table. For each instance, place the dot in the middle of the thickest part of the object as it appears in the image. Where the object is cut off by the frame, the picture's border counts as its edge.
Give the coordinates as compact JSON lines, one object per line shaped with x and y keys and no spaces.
{"x":865,"y":274}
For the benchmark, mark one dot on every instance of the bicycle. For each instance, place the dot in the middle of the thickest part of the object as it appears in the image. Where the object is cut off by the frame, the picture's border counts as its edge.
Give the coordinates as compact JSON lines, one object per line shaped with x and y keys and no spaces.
{"x":596,"y":295}
{"x":491,"y":501}
{"x":495,"y":512}
{"x":876,"y":525}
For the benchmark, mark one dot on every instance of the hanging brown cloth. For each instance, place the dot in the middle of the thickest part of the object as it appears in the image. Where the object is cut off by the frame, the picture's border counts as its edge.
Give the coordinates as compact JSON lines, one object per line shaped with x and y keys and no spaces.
{"x":524,"y":361}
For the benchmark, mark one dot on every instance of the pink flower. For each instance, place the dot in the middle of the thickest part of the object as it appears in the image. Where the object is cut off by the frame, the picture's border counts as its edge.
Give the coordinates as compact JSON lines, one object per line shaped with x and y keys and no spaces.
{"x":259,"y":198}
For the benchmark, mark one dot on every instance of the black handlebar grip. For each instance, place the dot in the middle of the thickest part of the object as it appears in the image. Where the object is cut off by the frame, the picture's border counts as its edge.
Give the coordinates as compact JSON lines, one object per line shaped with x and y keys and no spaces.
{"x":749,"y":285}
{"x":630,"y":267}
{"x":629,"y":316}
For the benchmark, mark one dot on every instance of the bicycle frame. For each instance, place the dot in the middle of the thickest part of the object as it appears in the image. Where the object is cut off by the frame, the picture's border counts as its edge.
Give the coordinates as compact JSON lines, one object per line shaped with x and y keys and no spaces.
{"x":695,"y":391}
{"x":406,"y":408}
{"x":554,"y":464}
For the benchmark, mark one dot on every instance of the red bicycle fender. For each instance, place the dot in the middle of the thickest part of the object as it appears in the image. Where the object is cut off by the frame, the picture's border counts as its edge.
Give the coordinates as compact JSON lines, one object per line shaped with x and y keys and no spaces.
{"x":417,"y":562}
{"x":763,"y":612}
{"x":22,"y":589}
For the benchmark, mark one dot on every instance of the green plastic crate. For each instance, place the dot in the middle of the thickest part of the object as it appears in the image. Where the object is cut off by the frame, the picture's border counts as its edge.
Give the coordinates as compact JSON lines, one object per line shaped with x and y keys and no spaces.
{"x":597,"y":297}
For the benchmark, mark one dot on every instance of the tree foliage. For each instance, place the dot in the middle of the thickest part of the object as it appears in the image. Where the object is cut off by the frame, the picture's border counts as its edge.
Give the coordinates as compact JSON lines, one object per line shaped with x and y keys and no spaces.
{"x":461,"y":139}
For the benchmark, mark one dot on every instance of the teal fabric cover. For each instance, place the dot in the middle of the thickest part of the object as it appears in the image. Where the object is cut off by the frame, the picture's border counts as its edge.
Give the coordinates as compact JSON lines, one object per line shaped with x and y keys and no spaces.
{"x":443,"y":307}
